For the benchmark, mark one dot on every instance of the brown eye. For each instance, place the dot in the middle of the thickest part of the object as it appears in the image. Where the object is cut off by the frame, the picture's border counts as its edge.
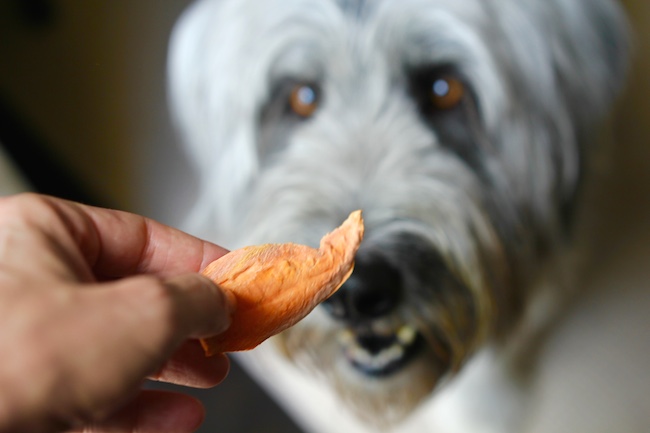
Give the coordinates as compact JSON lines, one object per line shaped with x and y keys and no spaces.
{"x":303,"y":100}
{"x":447,"y":93}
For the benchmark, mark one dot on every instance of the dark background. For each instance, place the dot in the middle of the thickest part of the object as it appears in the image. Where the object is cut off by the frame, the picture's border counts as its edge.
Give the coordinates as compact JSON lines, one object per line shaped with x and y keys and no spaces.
{"x":83,"y":110}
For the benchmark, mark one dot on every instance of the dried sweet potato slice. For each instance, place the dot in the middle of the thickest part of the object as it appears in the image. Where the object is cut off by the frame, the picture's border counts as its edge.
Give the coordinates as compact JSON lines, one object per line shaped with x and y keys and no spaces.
{"x":276,"y":285}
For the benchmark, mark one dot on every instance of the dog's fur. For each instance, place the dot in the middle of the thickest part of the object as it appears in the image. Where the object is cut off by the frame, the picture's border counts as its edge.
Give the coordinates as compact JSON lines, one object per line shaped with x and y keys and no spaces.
{"x":470,"y":210}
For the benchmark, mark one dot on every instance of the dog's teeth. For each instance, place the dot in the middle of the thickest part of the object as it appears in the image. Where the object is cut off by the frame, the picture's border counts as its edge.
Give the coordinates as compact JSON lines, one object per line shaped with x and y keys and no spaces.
{"x":376,"y":361}
{"x":346,"y":337}
{"x":406,"y":335}
{"x":359,"y":354}
{"x":386,"y":356}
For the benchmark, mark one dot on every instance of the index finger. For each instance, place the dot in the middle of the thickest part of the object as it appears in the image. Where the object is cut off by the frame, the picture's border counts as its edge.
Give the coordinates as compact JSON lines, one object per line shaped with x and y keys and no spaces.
{"x":118,"y":243}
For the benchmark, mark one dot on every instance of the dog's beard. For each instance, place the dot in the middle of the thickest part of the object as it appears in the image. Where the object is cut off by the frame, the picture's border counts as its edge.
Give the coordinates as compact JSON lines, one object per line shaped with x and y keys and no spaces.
{"x":384,"y":360}
{"x":379,"y":400}
{"x":423,"y":296}
{"x":464,"y":205}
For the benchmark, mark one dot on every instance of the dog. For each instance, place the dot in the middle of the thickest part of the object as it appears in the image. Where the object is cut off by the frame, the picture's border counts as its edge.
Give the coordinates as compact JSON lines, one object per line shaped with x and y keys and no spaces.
{"x":464,"y":130}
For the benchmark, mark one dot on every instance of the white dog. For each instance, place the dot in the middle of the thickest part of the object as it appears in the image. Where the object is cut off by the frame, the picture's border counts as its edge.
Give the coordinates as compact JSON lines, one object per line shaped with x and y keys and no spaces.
{"x":461,"y":128}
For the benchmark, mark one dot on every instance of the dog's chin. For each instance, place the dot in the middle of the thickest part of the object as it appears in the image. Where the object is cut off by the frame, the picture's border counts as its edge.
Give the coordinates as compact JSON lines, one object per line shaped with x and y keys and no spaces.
{"x":381,"y":376}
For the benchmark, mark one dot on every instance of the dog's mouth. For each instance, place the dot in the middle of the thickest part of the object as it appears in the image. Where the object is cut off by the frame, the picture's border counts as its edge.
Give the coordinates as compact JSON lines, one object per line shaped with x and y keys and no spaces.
{"x":381,"y":355}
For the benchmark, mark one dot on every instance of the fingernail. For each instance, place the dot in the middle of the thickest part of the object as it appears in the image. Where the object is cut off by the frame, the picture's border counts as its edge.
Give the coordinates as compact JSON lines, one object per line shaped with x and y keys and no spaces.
{"x":208,"y":309}
{"x":229,"y":303}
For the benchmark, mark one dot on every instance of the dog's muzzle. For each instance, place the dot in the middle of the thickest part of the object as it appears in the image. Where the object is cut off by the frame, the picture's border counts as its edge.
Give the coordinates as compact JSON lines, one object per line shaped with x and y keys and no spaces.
{"x":373,"y":292}
{"x":396,"y":307}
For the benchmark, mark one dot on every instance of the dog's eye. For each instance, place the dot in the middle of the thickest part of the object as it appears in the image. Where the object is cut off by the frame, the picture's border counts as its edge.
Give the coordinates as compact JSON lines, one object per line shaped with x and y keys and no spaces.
{"x":439,"y":90}
{"x":303,"y":100}
{"x":446,"y":92}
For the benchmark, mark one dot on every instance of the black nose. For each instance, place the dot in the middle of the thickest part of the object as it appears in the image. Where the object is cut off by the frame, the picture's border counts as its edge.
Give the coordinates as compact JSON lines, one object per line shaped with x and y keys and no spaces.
{"x":373,"y":290}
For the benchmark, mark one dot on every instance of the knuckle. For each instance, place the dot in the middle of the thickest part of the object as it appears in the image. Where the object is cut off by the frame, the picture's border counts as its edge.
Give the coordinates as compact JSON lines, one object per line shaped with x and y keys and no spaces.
{"x":22,"y":200}
{"x":159,"y":298}
{"x":25,"y":205}
{"x":148,"y":313}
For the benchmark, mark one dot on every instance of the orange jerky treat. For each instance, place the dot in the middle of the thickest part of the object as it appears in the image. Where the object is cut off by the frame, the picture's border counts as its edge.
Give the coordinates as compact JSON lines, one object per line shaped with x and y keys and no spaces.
{"x":276,"y":285}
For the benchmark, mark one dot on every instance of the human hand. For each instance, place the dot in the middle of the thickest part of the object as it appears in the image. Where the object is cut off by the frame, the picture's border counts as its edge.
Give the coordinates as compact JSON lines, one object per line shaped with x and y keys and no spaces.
{"x":92,"y":301}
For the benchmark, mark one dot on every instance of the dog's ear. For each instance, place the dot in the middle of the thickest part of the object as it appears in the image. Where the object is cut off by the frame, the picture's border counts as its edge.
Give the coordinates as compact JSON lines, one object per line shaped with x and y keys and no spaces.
{"x":590,"y":50}
{"x":198,"y":76}
{"x":570,"y":51}
{"x":213,"y":105}
{"x":566,"y":62}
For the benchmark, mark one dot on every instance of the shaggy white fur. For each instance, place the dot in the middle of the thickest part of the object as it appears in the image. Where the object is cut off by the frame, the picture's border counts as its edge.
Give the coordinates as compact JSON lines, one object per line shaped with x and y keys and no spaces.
{"x":463,"y":129}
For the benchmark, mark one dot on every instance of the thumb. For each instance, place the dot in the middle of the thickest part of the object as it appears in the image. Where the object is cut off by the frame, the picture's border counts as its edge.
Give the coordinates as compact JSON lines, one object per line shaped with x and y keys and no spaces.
{"x":201,"y":308}
{"x":126,"y":330}
{"x":103,"y":340}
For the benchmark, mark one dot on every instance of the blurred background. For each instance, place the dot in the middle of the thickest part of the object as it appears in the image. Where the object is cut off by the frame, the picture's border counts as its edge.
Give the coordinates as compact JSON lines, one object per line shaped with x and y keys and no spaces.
{"x":83,"y":111}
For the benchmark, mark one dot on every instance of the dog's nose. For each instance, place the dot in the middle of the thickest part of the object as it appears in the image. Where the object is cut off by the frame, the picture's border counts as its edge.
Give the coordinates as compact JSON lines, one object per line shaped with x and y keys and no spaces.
{"x":373,"y":290}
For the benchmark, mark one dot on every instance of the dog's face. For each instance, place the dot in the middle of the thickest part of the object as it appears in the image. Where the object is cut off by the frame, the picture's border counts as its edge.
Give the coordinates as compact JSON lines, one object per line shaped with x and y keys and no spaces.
{"x":458,"y":127}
